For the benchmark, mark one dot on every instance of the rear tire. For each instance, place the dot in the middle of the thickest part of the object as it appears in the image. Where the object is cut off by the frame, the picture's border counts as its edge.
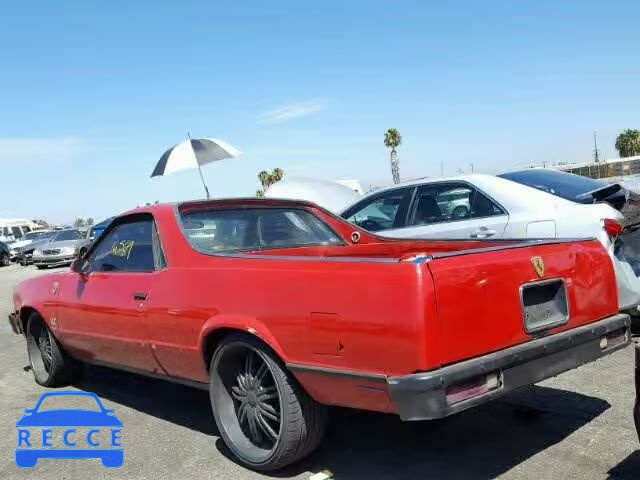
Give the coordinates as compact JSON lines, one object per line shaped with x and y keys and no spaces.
{"x":41,"y":267}
{"x":264,"y":416}
{"x":50,"y":365}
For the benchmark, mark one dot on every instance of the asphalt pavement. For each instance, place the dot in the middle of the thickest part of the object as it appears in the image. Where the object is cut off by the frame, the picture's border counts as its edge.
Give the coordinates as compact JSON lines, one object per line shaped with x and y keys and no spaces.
{"x":575,"y":426}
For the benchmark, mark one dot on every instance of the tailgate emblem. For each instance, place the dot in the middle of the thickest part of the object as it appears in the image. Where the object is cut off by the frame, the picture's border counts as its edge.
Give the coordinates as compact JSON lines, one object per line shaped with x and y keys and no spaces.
{"x":538,"y":264}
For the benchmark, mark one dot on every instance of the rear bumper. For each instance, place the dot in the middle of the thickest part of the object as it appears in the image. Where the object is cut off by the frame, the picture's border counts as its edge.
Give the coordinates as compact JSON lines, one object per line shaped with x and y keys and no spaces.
{"x":423,"y":396}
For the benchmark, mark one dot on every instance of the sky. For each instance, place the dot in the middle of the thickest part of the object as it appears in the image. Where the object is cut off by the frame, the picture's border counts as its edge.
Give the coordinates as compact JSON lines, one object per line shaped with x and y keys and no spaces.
{"x":92,"y":93}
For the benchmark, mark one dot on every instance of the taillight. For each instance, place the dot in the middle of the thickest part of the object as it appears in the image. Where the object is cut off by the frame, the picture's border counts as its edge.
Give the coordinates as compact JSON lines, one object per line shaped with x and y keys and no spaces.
{"x":612,"y":227}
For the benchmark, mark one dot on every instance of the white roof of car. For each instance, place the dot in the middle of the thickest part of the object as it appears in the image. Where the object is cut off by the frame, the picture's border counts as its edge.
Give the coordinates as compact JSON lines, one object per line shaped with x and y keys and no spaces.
{"x":328,"y":194}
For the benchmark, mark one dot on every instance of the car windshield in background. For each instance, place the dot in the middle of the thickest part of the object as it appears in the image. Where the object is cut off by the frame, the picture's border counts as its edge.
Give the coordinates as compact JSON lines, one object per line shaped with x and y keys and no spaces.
{"x":561,"y":184}
{"x":231,"y":230}
{"x":69,"y":235}
{"x":38,"y":235}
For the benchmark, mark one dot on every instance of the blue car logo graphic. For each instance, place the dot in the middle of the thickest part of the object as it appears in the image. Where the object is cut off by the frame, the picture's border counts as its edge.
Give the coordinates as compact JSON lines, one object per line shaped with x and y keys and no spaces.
{"x":36,"y":439}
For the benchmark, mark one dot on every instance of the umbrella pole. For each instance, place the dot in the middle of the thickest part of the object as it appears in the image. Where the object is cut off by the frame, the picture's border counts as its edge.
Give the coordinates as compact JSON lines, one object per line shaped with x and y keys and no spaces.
{"x":206,"y":190}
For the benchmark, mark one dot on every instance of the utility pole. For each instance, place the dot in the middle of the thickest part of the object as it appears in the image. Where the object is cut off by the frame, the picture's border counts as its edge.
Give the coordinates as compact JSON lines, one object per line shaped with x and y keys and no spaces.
{"x":471,"y":167}
{"x":596,"y":152}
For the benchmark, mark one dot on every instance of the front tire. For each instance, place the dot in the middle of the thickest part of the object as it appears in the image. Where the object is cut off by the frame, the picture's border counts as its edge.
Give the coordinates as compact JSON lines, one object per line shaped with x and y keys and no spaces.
{"x":50,"y":365}
{"x":264,"y":416}
{"x":4,"y":259}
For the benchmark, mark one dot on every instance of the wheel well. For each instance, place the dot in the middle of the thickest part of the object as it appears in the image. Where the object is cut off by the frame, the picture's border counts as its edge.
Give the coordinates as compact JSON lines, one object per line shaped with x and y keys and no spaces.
{"x":214,"y":338}
{"x":25,"y":313}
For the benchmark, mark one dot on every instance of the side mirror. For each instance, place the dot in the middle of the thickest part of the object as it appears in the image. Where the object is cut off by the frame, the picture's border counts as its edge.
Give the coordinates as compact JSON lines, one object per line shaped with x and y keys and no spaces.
{"x":81,"y":265}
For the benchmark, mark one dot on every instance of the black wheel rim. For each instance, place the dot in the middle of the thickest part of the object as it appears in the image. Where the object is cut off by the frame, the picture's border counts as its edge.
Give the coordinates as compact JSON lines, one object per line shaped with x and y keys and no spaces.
{"x":246,"y":399}
{"x":44,"y":345}
{"x":40,"y":349}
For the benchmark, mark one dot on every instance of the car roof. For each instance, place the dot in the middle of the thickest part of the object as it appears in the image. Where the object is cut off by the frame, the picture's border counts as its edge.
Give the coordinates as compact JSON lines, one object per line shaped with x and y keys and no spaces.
{"x":244,"y":202}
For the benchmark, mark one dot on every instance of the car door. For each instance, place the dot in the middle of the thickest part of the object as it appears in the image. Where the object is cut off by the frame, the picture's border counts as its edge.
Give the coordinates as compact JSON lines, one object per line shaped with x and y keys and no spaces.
{"x":103,"y":304}
{"x":454,"y":210}
{"x":384,"y":213}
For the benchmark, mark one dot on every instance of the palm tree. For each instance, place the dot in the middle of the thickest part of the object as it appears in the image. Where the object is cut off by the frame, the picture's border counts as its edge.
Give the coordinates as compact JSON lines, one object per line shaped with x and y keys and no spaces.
{"x":392,"y":140}
{"x":267,"y":179}
{"x":277,"y":175}
{"x":628,"y":143}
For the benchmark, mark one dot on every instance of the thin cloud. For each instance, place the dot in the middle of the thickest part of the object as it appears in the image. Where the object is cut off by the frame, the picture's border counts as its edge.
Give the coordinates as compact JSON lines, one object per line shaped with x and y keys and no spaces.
{"x":23,"y":150}
{"x":290,"y":112}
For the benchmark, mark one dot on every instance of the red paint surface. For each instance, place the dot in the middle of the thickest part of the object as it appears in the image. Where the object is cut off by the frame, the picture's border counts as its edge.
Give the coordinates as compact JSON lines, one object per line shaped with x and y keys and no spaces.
{"x":390,"y":318}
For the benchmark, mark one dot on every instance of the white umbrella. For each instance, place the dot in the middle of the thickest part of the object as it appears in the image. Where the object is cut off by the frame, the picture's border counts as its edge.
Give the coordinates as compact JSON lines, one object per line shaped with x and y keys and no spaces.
{"x":193,"y":153}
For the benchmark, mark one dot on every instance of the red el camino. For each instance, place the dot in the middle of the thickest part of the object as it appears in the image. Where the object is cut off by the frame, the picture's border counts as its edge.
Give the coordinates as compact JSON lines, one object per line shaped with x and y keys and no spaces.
{"x":279,"y":308}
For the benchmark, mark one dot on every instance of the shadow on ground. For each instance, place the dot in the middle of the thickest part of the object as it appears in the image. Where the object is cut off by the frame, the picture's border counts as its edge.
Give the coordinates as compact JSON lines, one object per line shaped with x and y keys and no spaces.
{"x":478,"y":444}
{"x":188,"y":407}
{"x":628,"y":469}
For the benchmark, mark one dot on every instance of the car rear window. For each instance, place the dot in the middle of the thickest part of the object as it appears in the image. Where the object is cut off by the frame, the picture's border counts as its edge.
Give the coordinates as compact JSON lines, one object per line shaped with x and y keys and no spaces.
{"x":561,"y":184}
{"x":231,"y":230}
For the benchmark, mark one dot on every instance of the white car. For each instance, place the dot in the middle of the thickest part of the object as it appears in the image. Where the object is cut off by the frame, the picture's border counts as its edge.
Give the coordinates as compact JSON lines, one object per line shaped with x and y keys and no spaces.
{"x":500,"y":208}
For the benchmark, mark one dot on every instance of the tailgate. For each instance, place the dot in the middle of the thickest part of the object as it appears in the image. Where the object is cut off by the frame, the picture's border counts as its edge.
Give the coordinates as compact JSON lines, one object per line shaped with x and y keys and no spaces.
{"x":491,"y":299}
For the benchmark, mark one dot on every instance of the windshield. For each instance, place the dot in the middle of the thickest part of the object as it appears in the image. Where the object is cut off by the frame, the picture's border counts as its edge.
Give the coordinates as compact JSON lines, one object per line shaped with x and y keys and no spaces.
{"x":38,"y":235}
{"x":561,"y":184}
{"x":69,"y":235}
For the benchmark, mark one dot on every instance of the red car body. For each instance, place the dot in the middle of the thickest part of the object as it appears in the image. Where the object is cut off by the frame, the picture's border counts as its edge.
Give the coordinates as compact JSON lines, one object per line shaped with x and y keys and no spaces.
{"x":409,"y":327}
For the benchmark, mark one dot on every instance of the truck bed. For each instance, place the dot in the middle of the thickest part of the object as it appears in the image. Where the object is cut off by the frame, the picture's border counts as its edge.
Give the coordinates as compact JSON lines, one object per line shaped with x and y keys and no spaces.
{"x":397,"y":250}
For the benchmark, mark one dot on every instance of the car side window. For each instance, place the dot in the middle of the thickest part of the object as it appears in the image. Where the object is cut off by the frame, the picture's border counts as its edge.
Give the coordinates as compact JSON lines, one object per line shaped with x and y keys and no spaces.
{"x":128,"y":247}
{"x":381,"y":212}
{"x":17,"y":233}
{"x":438,"y":203}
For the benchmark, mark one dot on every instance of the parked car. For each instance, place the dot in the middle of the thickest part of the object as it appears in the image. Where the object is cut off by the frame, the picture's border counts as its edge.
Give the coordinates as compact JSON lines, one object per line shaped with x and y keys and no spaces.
{"x":24,"y":254}
{"x":13,"y":229}
{"x":498,"y":208}
{"x":5,"y":255}
{"x":61,"y":249}
{"x":285,"y":308}
{"x":27,"y":240}
{"x":333,"y":196}
{"x":97,"y":229}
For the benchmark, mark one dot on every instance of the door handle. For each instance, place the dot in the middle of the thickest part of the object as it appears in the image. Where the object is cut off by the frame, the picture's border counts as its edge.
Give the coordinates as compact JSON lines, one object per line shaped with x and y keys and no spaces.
{"x":140,"y":296}
{"x":483,"y":233}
